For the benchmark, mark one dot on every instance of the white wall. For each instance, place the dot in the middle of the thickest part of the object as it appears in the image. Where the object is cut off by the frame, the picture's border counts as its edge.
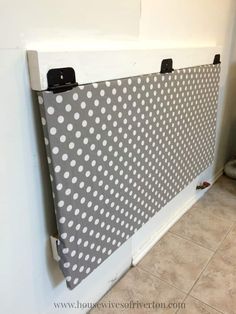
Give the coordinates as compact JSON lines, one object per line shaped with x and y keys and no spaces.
{"x":30,"y":279}
{"x":198,"y":22}
{"x":29,"y":21}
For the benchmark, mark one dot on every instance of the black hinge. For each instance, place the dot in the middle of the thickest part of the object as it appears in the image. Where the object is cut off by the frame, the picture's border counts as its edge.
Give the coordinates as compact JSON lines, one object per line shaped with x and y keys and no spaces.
{"x":61,"y":79}
{"x":167,"y":66}
{"x":217,"y":59}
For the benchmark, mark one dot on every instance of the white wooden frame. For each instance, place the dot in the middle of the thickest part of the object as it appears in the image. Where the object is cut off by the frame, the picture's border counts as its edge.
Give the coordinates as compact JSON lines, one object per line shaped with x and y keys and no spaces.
{"x":94,"y":65}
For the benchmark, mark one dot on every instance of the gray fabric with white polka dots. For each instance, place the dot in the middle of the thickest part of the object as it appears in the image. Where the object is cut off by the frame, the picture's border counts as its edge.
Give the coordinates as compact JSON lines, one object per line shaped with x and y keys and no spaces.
{"x":119,"y":151}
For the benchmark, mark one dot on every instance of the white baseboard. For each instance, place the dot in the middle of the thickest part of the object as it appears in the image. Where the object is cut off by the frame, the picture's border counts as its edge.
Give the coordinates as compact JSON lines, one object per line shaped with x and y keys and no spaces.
{"x":178,"y":213}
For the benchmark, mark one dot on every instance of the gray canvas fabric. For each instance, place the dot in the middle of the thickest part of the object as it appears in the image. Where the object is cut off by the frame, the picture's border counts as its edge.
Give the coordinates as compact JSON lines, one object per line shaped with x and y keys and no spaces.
{"x":119,"y":151}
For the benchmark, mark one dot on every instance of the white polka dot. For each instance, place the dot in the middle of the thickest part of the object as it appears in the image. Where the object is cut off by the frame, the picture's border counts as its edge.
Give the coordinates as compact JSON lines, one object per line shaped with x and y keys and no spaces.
{"x":50,"y":110}
{"x":71,"y":145}
{"x":53,"y":131}
{"x":83,"y":105}
{"x":70,"y":127}
{"x":81,"y":269}
{"x":84,"y":123}
{"x":40,"y":100}
{"x":76,"y":116}
{"x":59,"y":186}
{"x":55,"y":150}
{"x":62,"y":220}
{"x":62,"y":138}
{"x":76,"y":280}
{"x":68,"y":107}
{"x":76,"y":212}
{"x":59,"y":99}
{"x":74,"y":180}
{"x":79,"y":152}
{"x":64,"y":157}
{"x":73,"y":253}
{"x":60,"y":204}
{"x":60,"y":119}
{"x":64,"y":235}
{"x":78,"y":134}
{"x":89,"y":94}
{"x":57,"y":169}
{"x":74,"y":267}
{"x":90,"y":113}
{"x":75,"y":96}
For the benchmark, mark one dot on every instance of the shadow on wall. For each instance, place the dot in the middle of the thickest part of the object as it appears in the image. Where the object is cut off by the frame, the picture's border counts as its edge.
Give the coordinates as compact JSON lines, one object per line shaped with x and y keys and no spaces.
{"x":54,"y":272}
{"x":232,"y":142}
{"x":231,"y":99}
{"x":226,"y":148}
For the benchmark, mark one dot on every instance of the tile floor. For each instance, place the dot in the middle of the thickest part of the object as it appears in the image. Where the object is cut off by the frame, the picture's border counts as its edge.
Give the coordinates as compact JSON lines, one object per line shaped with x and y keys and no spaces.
{"x":194,"y":263}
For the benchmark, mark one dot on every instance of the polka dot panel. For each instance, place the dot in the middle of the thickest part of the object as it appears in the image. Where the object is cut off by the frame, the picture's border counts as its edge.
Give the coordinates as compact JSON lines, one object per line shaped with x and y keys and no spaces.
{"x":119,"y":151}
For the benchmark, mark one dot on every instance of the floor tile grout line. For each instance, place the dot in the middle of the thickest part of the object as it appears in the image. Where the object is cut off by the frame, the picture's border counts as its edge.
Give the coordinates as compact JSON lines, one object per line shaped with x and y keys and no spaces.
{"x":167,"y":283}
{"x":161,"y":279}
{"x":211,"y":258}
{"x":212,"y":214}
{"x":203,"y":269}
{"x":214,"y":253}
{"x":230,"y":229}
{"x":191,"y":242}
{"x":233,"y":220}
{"x":187,"y":294}
{"x":224,"y":219}
{"x":194,"y":242}
{"x":176,"y":235}
{"x":182,"y":302}
{"x":206,"y":304}
{"x":181,"y":236}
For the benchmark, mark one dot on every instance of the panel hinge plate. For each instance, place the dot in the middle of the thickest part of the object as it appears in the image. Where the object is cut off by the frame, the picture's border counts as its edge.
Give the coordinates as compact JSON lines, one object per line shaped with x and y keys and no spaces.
{"x":217,"y":59}
{"x":61,"y":79}
{"x":166,"y":66}
{"x":54,"y":241}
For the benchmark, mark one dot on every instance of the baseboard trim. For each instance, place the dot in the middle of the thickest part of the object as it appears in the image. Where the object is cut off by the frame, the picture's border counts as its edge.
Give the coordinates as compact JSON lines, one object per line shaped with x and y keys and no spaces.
{"x":181,"y":211}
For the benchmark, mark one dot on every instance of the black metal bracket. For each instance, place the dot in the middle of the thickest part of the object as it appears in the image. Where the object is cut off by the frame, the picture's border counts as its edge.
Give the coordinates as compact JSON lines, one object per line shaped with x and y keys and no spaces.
{"x":61,"y":79}
{"x":217,"y":59}
{"x":167,"y":66}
